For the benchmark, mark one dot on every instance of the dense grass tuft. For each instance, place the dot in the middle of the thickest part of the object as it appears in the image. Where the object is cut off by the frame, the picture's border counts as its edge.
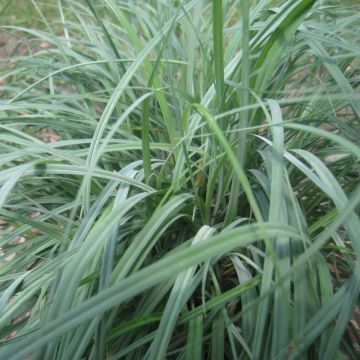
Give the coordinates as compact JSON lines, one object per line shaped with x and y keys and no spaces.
{"x":180,"y":179}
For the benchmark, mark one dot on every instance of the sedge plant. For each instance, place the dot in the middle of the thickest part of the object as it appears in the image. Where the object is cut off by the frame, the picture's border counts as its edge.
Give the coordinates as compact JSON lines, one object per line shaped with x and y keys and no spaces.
{"x":180,"y":179}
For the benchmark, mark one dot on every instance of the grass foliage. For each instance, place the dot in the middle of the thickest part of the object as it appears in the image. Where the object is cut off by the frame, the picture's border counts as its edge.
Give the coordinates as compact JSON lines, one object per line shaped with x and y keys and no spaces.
{"x":180,"y":179}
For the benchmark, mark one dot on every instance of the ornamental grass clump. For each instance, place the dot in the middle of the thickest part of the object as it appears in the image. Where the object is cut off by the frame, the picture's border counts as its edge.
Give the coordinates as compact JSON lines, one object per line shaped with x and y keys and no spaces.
{"x":180,"y":179}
